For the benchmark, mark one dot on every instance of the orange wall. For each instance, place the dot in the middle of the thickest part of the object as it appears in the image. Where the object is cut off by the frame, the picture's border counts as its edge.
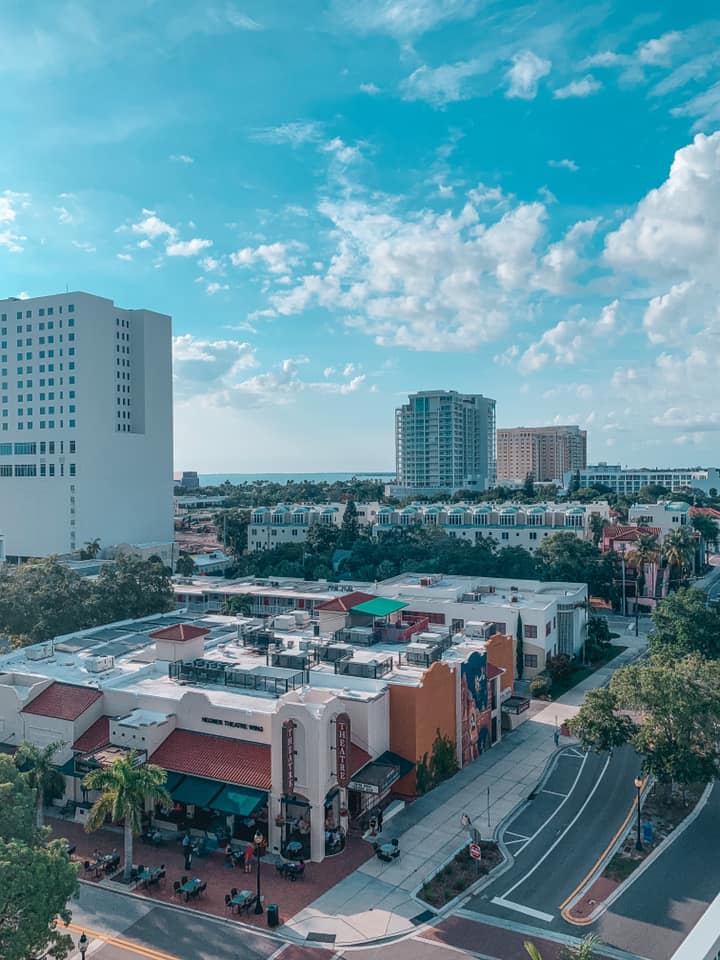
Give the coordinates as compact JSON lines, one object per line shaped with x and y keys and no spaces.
{"x":501,"y":653}
{"x":416,"y":713}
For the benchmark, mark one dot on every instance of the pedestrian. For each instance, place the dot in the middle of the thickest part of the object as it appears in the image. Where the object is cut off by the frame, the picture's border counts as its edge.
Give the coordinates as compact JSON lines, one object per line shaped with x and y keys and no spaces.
{"x":229,"y":855}
{"x":380,"y":820}
{"x":248,"y":858}
{"x":556,"y":737}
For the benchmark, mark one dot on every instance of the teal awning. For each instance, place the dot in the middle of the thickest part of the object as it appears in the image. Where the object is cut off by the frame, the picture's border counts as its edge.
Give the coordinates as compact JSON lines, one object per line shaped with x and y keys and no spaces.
{"x":197,"y":791}
{"x":243,"y":801}
{"x":378,"y":607}
{"x":173,"y":780}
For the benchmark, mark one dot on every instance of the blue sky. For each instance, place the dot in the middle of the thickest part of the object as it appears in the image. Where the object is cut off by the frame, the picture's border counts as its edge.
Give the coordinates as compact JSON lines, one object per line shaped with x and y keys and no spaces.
{"x":342,"y":201}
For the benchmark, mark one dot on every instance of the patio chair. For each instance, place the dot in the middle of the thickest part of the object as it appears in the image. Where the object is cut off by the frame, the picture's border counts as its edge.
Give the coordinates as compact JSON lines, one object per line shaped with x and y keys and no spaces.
{"x":87,"y":866}
{"x":228,"y":902}
{"x":202,"y":888}
{"x":176,"y":889}
{"x":183,"y":881}
{"x":134,"y":871}
{"x":233,"y":892}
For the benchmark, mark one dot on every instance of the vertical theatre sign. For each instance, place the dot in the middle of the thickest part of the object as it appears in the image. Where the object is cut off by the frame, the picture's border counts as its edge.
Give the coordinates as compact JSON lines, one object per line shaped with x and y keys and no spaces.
{"x":342,"y":749}
{"x":288,"y":747}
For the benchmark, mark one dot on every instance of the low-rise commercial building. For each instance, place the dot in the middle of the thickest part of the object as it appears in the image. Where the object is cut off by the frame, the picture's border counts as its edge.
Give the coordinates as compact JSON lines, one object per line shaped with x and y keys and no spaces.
{"x":290,"y":523}
{"x":623,"y":480}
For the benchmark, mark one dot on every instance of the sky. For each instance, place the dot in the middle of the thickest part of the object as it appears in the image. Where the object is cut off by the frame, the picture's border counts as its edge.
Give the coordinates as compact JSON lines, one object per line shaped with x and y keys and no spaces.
{"x":343,"y":201}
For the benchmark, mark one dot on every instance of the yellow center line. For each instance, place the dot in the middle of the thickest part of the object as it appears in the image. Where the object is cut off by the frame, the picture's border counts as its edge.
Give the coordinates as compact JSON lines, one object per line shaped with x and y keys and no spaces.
{"x":114,"y":941}
{"x":599,"y":861}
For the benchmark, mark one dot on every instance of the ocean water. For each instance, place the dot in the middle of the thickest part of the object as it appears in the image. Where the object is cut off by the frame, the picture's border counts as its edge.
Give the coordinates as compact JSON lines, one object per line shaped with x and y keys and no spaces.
{"x":215,"y":479}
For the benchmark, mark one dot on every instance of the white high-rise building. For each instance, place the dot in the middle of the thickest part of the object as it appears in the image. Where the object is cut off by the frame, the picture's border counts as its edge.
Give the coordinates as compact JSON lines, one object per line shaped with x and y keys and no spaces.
{"x":444,"y":441}
{"x":85,"y":424}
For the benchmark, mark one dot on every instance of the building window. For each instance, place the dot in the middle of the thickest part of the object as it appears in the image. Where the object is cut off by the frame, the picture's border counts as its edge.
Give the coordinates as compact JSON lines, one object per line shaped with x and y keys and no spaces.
{"x":531,"y":660}
{"x":530,"y":631}
{"x":548,"y":628}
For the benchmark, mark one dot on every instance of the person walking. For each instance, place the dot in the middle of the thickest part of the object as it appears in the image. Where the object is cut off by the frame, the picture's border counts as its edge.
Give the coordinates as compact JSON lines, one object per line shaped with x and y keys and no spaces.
{"x":248,"y":858}
{"x":379,"y":820}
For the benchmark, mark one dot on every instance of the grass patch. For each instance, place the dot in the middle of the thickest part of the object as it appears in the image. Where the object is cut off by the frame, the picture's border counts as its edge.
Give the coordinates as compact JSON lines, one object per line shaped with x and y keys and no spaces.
{"x":620,"y":868}
{"x":459,"y":874}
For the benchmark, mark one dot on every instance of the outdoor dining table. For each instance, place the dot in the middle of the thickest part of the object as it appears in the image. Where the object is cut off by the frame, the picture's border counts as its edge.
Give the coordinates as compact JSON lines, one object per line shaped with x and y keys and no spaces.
{"x":190,"y":887}
{"x":387,"y":851}
{"x":293,"y":849}
{"x":241,"y":899}
{"x":148,"y":874}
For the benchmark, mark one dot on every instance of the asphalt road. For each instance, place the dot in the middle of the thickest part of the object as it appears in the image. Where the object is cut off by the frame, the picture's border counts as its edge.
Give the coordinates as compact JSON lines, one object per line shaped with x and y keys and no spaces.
{"x":659,"y":909}
{"x":557,"y":838}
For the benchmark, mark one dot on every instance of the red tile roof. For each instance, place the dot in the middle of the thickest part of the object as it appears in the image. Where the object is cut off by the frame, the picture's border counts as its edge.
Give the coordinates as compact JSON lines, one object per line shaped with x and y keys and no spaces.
{"x":705,"y":512}
{"x":358,"y":758}
{"x":216,"y":758}
{"x":96,"y":736}
{"x":63,"y":701}
{"x":625,"y":532}
{"x":179,"y":631}
{"x":346,"y":602}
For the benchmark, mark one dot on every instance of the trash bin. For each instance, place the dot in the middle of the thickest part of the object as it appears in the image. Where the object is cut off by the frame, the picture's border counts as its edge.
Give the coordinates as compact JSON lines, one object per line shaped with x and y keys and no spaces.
{"x":273,"y":915}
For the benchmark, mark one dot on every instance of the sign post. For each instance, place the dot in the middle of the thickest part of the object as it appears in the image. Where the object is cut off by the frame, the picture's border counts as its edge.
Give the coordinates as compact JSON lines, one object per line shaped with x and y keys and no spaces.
{"x":342,"y":749}
{"x":288,"y":746}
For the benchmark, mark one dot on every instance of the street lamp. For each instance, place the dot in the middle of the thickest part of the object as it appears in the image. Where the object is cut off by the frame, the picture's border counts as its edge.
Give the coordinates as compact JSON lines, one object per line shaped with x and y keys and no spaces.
{"x":83,"y":944}
{"x":638,"y":786}
{"x":258,"y":840}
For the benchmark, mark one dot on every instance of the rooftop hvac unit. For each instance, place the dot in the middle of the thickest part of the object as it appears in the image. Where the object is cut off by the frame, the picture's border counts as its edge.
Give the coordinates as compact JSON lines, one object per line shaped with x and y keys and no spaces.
{"x":284,"y":621}
{"x":40,"y":651}
{"x":301,"y":617}
{"x":100,"y":664}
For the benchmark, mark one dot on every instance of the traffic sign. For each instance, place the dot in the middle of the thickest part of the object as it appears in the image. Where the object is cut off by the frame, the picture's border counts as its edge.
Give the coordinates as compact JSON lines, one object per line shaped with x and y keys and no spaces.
{"x":475,"y":851}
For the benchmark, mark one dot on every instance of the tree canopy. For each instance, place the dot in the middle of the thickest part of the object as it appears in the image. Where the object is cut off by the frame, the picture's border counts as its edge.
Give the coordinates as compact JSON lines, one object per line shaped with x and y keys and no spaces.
{"x":44,"y":599}
{"x":36,"y":877}
{"x":683,"y":623}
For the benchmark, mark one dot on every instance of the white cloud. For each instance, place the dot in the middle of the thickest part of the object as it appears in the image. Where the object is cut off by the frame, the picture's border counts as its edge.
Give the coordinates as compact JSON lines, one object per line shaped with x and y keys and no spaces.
{"x":215,"y":287}
{"x":187,"y":248}
{"x":341,"y":151}
{"x":442,"y":85}
{"x":525,"y":74}
{"x":562,"y":263}
{"x":276,"y":257}
{"x":569,"y":340}
{"x":402,"y":18}
{"x":371,"y":89}
{"x":124,"y":256}
{"x":564,"y":165}
{"x":676,"y":418}
{"x":64,"y":215}
{"x":704,"y":106}
{"x":296,"y":133}
{"x":208,"y":366}
{"x":656,"y":52}
{"x":210,"y":264}
{"x":151,"y":226}
{"x":181,"y":158}
{"x":84,"y":246}
{"x":578,"y":88}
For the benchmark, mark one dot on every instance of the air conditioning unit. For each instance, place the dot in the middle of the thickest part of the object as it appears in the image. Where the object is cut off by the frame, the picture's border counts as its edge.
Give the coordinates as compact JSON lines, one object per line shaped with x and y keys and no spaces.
{"x":40,"y":651}
{"x":100,"y":664}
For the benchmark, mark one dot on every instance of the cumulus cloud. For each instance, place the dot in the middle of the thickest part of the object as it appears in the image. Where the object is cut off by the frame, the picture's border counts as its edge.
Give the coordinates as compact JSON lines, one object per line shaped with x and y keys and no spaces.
{"x":569,"y":340}
{"x":371,"y":89}
{"x":296,"y":133}
{"x":441,"y":85}
{"x":563,"y":261}
{"x":207,"y":366}
{"x":578,"y":88}
{"x":187,"y":248}
{"x":181,"y":158}
{"x":401,"y":19}
{"x":152,"y":227}
{"x":525,"y":74}
{"x":564,"y":165}
{"x":276,"y":257}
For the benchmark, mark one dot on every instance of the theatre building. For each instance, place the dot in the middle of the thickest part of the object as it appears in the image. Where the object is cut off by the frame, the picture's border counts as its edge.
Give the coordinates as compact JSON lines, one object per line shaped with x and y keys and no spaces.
{"x":293,"y":732}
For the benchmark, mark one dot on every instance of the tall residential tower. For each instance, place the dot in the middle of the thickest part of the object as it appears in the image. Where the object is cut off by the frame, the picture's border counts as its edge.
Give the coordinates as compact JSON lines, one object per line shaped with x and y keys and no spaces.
{"x":444,"y":441}
{"x":545,"y":452}
{"x":85,"y":424}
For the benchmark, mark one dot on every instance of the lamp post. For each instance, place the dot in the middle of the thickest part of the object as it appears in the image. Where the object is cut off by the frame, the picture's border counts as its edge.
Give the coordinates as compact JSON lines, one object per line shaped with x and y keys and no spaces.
{"x":83,"y":944}
{"x":258,"y":840}
{"x":638,"y":786}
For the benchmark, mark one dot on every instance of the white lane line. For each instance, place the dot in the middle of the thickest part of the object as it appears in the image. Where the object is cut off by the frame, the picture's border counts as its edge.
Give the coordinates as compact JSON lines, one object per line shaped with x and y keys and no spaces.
{"x":513,"y":833}
{"x":521,"y":908}
{"x":554,"y":793}
{"x":559,"y":807}
{"x":509,"y":843}
{"x":571,"y":752}
{"x":567,"y":828}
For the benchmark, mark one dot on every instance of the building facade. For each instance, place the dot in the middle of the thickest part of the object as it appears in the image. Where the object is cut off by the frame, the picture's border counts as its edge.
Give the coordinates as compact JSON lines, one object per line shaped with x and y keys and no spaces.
{"x":291,"y":522}
{"x":622,"y":480}
{"x":444,"y":441}
{"x":545,"y":453}
{"x":85,"y":424}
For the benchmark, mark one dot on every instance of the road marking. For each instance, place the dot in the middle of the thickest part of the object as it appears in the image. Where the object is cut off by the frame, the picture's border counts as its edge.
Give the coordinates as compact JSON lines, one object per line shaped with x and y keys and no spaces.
{"x":554,"y":793}
{"x":512,"y":833}
{"x":559,"y":807}
{"x":521,"y":908}
{"x":129,"y":945}
{"x":509,"y":843}
{"x":599,"y":860}
{"x":572,"y":752}
{"x":567,"y":828}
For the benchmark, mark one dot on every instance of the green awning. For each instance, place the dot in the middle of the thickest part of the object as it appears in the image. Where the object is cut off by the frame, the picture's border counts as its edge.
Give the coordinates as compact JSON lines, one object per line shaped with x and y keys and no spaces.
{"x":243,"y":801}
{"x":378,"y":607}
{"x":197,"y":791}
{"x":173,"y":779}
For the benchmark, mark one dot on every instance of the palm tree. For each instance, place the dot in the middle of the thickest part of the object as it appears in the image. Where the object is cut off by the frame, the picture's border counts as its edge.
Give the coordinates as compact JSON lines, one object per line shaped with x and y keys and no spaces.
{"x":645,"y":552}
{"x":597,"y":525}
{"x":91,"y":549}
{"x":41,"y":773}
{"x":678,"y":550}
{"x":126,"y":786}
{"x":185,"y":565}
{"x":584,"y":951}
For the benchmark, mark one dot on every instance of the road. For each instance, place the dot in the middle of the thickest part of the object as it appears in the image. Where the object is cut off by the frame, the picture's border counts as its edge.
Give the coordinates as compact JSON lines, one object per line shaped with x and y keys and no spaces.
{"x":557,"y":838}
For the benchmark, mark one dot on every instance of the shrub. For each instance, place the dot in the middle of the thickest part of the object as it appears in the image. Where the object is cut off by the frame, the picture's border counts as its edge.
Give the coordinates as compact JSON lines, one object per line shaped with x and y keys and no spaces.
{"x":540,"y":686}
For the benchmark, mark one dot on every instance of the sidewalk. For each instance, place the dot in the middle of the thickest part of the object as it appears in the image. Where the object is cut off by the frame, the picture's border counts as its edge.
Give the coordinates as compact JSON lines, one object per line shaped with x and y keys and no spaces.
{"x":375,"y":901}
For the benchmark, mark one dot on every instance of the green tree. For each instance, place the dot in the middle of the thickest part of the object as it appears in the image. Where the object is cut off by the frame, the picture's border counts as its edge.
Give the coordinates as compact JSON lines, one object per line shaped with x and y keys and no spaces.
{"x":528,"y":487}
{"x":599,"y":724}
{"x":231,"y":528}
{"x":679,"y":706}
{"x":185,"y":565}
{"x":597,"y":525}
{"x":644,"y":553}
{"x":322,"y":538}
{"x":708,"y":529}
{"x":90,"y":550}
{"x":583,"y":951}
{"x":132,"y":588}
{"x":41,"y":773}
{"x":126,"y":787}
{"x":36,"y":877}
{"x":240,"y":605}
{"x":678,"y":550}
{"x":42,"y":599}
{"x":519,"y":649}
{"x":575,"y":482}
{"x":443,"y":761}
{"x":350,"y":529}
{"x":598,"y":638}
{"x":683,"y":623}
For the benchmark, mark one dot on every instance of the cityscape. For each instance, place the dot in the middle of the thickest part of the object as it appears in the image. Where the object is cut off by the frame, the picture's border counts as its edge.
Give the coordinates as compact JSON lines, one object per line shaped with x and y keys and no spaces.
{"x":359,"y":566}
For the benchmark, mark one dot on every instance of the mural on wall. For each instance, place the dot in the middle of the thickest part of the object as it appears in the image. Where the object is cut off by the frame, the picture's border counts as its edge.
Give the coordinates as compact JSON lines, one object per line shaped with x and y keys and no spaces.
{"x":476,"y":708}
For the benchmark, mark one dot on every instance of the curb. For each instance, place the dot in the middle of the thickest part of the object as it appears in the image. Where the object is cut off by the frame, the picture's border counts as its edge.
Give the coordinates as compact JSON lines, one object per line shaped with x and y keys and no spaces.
{"x":645,"y":865}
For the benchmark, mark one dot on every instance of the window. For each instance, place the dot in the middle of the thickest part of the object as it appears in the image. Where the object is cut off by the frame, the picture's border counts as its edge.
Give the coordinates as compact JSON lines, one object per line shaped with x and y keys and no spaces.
{"x":548,"y":628}
{"x":500,"y":626}
{"x":530,"y":631}
{"x":533,"y":535}
{"x":25,"y":470}
{"x":23,"y":449}
{"x":71,"y":308}
{"x":531,"y":660}
{"x":504,"y":535}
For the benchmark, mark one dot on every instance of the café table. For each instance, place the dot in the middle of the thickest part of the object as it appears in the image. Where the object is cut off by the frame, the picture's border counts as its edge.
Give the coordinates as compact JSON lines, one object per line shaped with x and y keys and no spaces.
{"x":293,"y":849}
{"x":241,"y":899}
{"x":148,"y":874}
{"x":190,"y":887}
{"x":387,"y":851}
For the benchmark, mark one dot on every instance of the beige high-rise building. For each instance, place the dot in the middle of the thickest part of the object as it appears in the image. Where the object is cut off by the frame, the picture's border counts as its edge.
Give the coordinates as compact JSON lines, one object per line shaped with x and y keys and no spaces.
{"x":545,"y":452}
